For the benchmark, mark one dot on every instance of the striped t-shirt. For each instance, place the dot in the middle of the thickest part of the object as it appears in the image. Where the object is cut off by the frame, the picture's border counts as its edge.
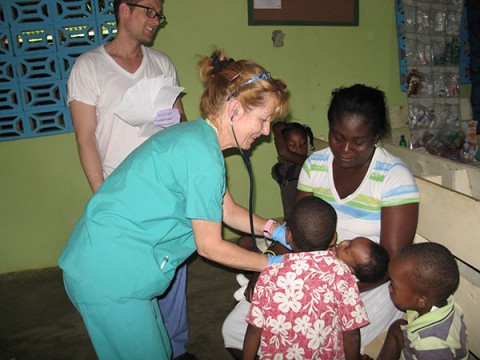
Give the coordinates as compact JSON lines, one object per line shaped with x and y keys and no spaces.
{"x":439,"y":334}
{"x":388,"y":182}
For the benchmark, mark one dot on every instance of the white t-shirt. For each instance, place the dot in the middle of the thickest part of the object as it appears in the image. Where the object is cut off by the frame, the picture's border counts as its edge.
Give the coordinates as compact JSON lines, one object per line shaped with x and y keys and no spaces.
{"x":97,"y":80}
{"x":388,"y":182}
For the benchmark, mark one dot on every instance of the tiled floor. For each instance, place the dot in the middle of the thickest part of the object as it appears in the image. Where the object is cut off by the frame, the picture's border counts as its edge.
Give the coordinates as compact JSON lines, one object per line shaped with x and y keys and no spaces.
{"x":38,"y":322}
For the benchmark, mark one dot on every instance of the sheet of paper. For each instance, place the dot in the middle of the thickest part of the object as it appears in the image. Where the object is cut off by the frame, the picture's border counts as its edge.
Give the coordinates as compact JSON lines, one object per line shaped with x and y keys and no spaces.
{"x":149,"y":129}
{"x":267,"y":4}
{"x":144,"y":99}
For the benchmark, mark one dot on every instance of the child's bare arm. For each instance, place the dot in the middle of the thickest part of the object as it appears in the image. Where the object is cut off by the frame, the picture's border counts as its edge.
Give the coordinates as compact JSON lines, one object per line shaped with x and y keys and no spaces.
{"x":351,"y":344}
{"x":251,"y":342}
{"x":393,"y":345}
{"x":282,"y":147}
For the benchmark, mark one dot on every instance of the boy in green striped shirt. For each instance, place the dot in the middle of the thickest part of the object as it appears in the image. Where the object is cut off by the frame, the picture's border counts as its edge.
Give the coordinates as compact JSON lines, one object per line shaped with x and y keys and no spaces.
{"x":423,"y":279}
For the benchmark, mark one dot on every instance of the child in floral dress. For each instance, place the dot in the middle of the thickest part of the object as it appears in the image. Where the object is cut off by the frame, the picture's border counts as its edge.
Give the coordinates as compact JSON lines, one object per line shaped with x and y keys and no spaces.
{"x":308,"y":306}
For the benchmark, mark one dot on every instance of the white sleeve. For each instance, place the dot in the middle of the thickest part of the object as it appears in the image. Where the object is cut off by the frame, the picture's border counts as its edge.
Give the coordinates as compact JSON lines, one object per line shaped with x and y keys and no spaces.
{"x":82,"y":85}
{"x":399,"y":186}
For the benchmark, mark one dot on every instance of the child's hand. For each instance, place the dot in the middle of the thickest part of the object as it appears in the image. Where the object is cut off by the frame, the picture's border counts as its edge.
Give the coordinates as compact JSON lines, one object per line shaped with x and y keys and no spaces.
{"x":251,"y":287}
{"x":277,"y":127}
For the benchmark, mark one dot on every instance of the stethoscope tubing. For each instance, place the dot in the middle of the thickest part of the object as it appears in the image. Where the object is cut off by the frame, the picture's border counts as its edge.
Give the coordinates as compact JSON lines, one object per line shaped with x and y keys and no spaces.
{"x":246,"y":160}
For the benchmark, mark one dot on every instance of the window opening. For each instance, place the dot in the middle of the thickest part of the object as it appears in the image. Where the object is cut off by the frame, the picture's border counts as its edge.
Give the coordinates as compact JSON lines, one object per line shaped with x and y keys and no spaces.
{"x":39,"y":43}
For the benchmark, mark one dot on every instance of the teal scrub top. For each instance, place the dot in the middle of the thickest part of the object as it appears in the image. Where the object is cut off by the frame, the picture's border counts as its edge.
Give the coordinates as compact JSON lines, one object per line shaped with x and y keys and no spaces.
{"x":136,"y":229}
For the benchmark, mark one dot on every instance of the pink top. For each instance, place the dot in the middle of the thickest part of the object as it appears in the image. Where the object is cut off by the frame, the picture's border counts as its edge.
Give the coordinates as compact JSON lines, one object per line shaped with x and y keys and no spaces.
{"x":303,"y":304}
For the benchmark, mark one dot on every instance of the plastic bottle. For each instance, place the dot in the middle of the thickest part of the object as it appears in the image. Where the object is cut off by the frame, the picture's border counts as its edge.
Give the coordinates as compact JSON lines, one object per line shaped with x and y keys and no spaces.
{"x":454,"y":51}
{"x":403,"y":142}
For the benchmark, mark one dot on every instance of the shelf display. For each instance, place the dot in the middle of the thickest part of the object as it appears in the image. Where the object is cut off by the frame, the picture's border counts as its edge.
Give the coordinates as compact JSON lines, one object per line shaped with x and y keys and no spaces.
{"x":430,"y":54}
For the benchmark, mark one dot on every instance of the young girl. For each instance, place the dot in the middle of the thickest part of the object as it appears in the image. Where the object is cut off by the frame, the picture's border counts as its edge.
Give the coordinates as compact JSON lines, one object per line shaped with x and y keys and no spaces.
{"x":291,"y":142}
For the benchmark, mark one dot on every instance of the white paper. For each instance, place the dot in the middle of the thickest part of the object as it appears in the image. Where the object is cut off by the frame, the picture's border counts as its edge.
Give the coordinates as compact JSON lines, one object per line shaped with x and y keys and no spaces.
{"x":267,"y":4}
{"x":144,"y":99}
{"x":148,"y":129}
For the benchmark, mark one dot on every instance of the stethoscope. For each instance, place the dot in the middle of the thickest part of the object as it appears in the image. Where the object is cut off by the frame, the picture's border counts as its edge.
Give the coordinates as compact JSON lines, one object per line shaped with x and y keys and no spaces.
{"x":246,"y":160}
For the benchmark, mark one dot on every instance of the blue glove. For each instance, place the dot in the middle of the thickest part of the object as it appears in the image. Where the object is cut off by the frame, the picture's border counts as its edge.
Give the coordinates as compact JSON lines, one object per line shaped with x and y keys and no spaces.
{"x":279,"y":236}
{"x":167,"y":117}
{"x":273,"y":259}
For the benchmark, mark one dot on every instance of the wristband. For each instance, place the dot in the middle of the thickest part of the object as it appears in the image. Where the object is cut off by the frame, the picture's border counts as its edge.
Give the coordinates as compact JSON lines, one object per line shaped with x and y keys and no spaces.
{"x":266,"y":229}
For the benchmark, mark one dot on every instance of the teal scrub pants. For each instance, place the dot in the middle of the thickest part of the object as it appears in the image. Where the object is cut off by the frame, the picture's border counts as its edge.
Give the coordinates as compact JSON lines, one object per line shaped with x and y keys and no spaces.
{"x":120,"y":329}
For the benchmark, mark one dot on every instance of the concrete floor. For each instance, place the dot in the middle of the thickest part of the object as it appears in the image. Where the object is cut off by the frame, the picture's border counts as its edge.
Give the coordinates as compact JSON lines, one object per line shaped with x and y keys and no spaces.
{"x":37,"y":321}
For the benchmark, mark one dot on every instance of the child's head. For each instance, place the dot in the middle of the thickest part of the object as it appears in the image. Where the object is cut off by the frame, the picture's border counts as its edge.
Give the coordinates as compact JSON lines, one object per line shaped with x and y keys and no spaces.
{"x":312,"y":225}
{"x":422,"y":275}
{"x":296,"y":137}
{"x":367,"y":259}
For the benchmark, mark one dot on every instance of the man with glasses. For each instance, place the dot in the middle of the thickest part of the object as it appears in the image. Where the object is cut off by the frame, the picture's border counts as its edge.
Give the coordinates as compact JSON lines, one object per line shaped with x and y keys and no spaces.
{"x":96,"y":86}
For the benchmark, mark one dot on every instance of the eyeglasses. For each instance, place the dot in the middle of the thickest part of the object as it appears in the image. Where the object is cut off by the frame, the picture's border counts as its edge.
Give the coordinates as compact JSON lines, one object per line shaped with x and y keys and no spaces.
{"x":151,"y":12}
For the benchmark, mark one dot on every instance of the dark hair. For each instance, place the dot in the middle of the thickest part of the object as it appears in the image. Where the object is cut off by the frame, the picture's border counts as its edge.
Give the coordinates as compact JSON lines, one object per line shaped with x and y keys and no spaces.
{"x":313,"y":224}
{"x":360,"y":100}
{"x":304,"y":129}
{"x":434,"y":270}
{"x":225,"y":78}
{"x":376,"y":267}
{"x":116,"y":6}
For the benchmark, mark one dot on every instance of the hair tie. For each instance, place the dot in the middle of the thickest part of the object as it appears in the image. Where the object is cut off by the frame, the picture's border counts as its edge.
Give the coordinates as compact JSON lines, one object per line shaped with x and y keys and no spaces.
{"x":218,"y":64}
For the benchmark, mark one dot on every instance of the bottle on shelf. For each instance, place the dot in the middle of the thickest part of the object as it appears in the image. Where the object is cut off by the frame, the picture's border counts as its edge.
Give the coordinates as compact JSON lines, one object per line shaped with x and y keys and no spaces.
{"x":403,"y":142}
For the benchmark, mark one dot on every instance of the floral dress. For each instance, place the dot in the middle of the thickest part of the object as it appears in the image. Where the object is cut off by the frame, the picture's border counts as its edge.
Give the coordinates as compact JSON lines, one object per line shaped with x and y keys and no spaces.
{"x":303,"y":305}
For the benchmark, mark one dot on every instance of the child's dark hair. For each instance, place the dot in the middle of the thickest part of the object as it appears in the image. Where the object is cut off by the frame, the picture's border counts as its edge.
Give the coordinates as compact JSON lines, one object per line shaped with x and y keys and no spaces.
{"x":304,"y":129}
{"x":360,"y":100}
{"x":434,"y":269}
{"x":313,"y":223}
{"x":377,"y":265}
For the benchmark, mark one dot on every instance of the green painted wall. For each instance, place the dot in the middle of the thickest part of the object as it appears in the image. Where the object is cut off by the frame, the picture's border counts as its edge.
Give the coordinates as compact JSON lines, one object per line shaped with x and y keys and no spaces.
{"x":42,"y":186}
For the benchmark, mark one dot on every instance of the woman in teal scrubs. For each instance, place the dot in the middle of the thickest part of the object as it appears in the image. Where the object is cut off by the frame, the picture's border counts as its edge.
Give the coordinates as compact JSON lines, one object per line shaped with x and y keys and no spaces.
{"x":165,"y":201}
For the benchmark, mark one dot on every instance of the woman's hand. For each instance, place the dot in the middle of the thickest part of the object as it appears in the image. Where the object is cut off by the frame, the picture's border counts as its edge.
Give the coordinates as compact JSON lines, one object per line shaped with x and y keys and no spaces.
{"x":280,"y":236}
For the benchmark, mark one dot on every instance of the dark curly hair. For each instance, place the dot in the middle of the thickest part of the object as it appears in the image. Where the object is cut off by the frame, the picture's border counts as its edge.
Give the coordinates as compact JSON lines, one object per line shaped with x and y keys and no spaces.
{"x":434,"y":270}
{"x":304,"y":129}
{"x":360,"y":100}
{"x":376,"y":267}
{"x":313,"y":223}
